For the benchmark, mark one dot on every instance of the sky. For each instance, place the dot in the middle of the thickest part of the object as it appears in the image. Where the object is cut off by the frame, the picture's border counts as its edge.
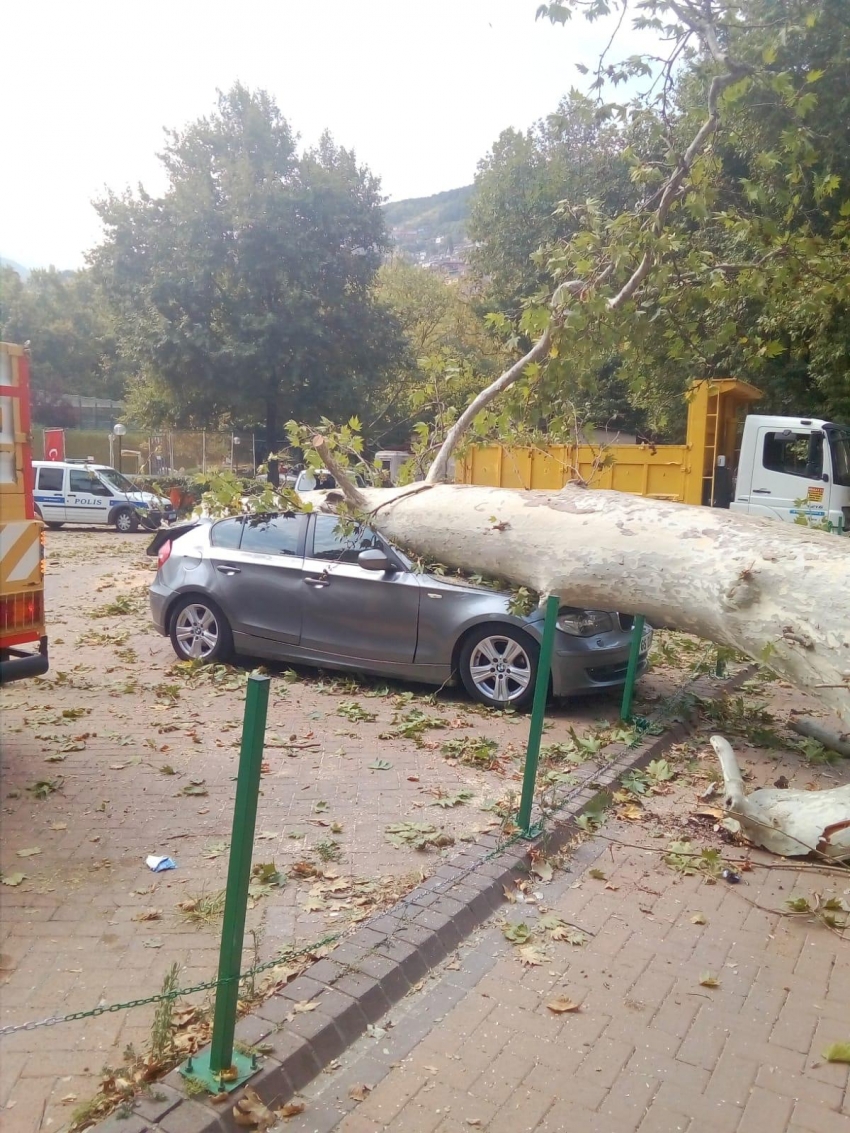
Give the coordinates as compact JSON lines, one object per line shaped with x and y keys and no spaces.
{"x":420,"y":90}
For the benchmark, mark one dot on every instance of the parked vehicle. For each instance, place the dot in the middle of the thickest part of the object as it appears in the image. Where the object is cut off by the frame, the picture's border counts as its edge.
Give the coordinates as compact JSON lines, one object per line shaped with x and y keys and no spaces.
{"x":791,"y":468}
{"x":23,"y":636}
{"x":295,"y":588}
{"x":79,"y":492}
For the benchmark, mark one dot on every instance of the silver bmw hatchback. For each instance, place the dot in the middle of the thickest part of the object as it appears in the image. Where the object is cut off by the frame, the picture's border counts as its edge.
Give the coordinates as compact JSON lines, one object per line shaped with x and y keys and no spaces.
{"x":296,"y":588}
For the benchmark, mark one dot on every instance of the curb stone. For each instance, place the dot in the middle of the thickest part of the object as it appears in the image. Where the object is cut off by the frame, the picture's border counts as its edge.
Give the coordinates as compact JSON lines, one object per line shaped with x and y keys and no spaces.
{"x":380,"y":962}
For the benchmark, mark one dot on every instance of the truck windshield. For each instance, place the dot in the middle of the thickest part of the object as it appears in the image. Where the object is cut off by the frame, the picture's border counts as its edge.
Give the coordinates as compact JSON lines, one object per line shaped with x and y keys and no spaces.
{"x":117,"y":480}
{"x":839,"y":447}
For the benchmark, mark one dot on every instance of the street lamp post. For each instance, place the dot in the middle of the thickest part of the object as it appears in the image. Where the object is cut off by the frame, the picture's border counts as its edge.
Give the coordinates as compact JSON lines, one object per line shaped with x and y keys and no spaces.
{"x":119,"y":430}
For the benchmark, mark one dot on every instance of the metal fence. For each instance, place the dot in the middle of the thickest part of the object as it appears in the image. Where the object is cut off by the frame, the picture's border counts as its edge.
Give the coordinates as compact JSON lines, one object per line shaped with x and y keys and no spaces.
{"x":178,"y":451}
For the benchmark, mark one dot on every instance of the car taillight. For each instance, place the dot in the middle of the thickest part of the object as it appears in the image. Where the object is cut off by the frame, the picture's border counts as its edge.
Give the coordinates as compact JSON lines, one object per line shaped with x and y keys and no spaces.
{"x":164,"y":552}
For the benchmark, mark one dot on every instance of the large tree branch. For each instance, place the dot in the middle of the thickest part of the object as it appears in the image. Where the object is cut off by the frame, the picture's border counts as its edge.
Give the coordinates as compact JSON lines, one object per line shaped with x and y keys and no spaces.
{"x":673,"y":190}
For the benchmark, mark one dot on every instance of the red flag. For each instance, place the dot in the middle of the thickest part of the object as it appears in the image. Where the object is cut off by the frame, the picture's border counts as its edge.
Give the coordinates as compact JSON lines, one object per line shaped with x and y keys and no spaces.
{"x":54,"y":444}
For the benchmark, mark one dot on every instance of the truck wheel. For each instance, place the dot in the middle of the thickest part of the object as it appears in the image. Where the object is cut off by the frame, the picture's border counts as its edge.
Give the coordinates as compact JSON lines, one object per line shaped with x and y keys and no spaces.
{"x":55,"y":526}
{"x":126,"y":520}
{"x":498,"y":666}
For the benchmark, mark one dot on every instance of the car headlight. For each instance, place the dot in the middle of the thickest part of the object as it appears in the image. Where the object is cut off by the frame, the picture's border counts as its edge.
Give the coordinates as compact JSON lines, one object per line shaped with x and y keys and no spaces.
{"x":584,"y":623}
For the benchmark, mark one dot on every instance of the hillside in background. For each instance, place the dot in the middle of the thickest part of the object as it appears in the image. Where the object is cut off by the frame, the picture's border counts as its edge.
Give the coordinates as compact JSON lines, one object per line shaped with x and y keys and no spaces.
{"x":19,"y":268}
{"x":427,"y":227}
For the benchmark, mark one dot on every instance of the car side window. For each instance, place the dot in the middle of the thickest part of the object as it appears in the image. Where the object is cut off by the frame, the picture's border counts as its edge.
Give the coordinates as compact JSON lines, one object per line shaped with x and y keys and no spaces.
{"x":50,"y":479}
{"x":271,"y":534}
{"x":227,"y":533}
{"x":330,"y":543}
{"x":87,"y":484}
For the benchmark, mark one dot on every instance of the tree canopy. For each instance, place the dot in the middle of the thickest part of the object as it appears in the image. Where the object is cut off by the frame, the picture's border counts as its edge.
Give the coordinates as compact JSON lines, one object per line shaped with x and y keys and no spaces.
{"x":246,"y":291}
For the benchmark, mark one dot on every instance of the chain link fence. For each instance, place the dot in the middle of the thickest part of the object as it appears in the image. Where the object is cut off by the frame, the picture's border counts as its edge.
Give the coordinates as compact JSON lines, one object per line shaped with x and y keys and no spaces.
{"x":177,"y":451}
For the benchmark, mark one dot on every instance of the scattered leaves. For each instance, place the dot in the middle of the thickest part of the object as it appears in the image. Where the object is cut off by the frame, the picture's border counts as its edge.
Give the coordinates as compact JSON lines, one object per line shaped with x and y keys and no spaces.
{"x":838,"y":1052}
{"x":13,"y":878}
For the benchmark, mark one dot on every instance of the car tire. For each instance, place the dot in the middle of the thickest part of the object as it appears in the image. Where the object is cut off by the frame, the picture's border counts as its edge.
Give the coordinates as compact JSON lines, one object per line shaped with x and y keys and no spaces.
{"x":482,"y":656}
{"x":54,"y":526}
{"x":199,"y":631}
{"x":126,"y":520}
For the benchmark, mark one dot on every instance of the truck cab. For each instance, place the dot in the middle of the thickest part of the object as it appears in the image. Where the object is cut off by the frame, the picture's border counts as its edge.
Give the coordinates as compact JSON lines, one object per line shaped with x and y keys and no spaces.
{"x":795,"y":469}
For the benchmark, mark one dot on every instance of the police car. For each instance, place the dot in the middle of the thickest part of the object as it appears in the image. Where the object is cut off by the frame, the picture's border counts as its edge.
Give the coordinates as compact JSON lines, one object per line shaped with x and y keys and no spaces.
{"x":81,"y":492}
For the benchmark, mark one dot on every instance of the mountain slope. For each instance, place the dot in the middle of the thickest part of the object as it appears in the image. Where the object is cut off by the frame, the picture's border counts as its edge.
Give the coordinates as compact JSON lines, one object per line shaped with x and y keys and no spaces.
{"x":424,"y":226}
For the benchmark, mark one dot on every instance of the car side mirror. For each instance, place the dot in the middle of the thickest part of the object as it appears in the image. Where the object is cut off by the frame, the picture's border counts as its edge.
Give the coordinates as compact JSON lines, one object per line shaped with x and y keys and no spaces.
{"x":375,"y":560}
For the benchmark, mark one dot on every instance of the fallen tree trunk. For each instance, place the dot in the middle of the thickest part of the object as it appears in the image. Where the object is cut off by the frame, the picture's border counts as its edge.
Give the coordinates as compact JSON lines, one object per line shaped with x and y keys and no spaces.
{"x":813,"y":729}
{"x":778,"y":592}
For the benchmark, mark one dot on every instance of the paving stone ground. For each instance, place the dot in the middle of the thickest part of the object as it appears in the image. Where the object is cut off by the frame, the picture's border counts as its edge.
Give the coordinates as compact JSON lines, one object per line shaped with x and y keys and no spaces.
{"x":105,"y":727}
{"x":651,"y":1049}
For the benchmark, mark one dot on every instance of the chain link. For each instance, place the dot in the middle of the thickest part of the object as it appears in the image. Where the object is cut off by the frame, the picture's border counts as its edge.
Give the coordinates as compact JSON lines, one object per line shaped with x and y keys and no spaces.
{"x":282,"y":958}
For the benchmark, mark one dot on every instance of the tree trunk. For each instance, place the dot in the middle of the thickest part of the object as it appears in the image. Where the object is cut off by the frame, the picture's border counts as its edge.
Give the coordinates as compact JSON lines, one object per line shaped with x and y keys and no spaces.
{"x":778,"y":592}
{"x":271,"y":440}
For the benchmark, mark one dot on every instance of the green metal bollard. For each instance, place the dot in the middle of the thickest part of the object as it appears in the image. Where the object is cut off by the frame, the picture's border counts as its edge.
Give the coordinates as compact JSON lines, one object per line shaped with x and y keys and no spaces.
{"x":538,"y":712}
{"x":221,"y":1069}
{"x":631,"y":671}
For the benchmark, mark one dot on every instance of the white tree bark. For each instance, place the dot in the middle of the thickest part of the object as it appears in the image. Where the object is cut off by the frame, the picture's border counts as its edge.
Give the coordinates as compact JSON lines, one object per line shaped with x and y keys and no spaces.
{"x":778,"y":592}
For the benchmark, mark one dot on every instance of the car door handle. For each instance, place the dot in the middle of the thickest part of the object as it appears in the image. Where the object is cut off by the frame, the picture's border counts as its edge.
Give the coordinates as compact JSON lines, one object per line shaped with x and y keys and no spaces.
{"x":226,"y":569}
{"x":761,"y":491}
{"x":318,"y":582}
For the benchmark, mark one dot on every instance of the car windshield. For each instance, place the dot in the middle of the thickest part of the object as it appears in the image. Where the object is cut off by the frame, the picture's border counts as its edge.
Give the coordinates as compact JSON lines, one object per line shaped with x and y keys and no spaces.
{"x":839,"y":446}
{"x":117,"y":480}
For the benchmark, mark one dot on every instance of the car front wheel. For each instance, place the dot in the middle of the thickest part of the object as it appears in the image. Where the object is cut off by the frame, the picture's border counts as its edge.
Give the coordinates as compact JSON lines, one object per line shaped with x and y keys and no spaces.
{"x":199,"y":630}
{"x":126,"y":520}
{"x":498,"y":666}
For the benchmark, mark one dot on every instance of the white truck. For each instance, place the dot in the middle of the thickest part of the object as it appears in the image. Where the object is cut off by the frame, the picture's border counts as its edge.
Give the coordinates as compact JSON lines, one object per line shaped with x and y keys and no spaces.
{"x":796,"y":469}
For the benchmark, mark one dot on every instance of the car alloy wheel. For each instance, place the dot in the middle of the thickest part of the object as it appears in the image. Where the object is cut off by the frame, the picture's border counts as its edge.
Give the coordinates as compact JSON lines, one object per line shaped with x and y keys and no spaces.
{"x":498,"y":666}
{"x":196,"y":632}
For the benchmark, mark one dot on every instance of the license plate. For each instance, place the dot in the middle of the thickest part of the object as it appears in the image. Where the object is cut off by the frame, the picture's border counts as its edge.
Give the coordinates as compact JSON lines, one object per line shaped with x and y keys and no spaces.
{"x":644,"y":646}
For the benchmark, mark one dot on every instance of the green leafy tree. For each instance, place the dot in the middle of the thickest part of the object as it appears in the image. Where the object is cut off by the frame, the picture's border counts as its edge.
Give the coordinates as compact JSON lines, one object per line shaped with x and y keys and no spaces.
{"x":70,"y":331}
{"x":245,"y":293}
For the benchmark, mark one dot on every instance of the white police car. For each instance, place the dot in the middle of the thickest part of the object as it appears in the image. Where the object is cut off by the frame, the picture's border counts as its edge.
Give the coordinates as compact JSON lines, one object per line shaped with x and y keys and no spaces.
{"x":80,"y":492}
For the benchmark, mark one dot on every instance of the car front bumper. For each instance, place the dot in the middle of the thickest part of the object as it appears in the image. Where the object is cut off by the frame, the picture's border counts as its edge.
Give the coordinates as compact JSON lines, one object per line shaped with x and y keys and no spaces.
{"x":591,"y":664}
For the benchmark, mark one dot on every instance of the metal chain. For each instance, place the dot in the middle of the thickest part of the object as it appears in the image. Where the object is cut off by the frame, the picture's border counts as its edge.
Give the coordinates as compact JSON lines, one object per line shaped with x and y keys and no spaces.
{"x":282,"y":957}
{"x":652,"y":725}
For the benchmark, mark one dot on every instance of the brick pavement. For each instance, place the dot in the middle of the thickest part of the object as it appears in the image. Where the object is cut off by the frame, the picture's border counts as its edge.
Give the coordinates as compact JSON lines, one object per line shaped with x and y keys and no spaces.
{"x":651,"y":1050}
{"x":113,"y":715}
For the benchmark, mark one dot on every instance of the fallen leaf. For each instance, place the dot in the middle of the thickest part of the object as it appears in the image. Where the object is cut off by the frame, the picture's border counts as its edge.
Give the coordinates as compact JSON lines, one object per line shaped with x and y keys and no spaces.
{"x":708,"y":980}
{"x":59,"y":826}
{"x":838,"y":1052}
{"x":152,"y":942}
{"x":117,"y":766}
{"x":476,"y":1121}
{"x":379,"y":765}
{"x":148,"y":915}
{"x":597,"y":874}
{"x":699,"y":918}
{"x":562,"y":1005}
{"x":13,"y":878}
{"x":510,"y":893}
{"x":358,"y":1092}
{"x":252,"y":1111}
{"x":68,"y":1099}
{"x":542,"y":869}
{"x":306,"y":1005}
{"x":532,"y":956}
{"x":291,"y":1109}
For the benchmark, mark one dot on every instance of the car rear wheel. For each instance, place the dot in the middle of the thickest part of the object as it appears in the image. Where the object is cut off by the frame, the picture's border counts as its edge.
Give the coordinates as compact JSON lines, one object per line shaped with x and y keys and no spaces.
{"x":498,"y":666}
{"x":55,"y":526}
{"x":126,"y":520}
{"x":199,"y":630}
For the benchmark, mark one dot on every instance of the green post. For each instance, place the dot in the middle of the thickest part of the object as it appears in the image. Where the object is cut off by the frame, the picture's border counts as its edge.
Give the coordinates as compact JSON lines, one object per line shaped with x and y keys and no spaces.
{"x":631,"y":671}
{"x":221,"y":1057}
{"x":538,"y":712}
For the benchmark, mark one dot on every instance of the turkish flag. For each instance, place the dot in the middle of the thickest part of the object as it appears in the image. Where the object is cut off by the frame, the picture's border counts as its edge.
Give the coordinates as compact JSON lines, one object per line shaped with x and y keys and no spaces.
{"x":54,"y":444}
